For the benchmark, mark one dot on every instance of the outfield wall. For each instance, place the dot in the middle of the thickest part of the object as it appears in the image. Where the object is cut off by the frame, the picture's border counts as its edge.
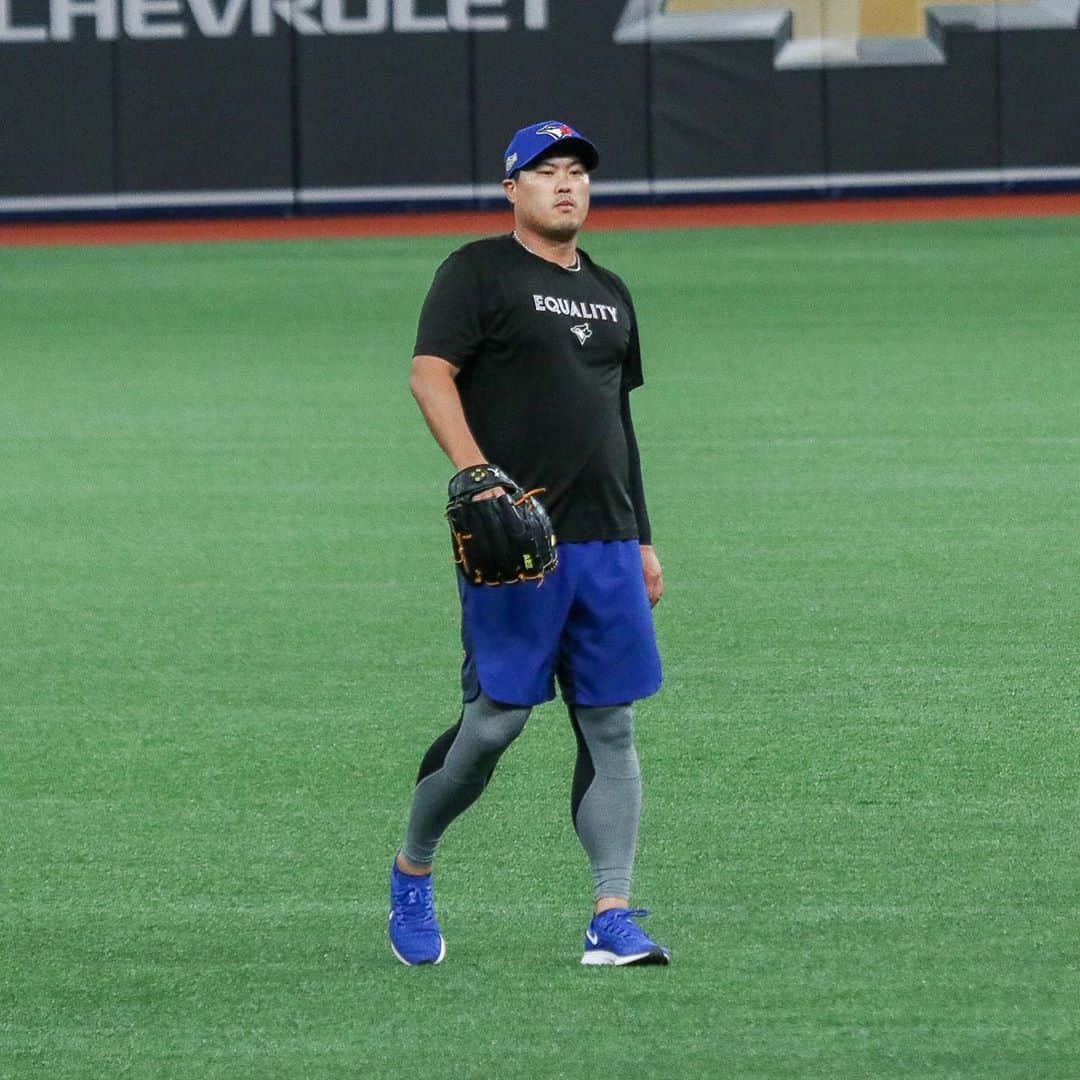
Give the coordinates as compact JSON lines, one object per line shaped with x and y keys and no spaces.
{"x":141,"y":104}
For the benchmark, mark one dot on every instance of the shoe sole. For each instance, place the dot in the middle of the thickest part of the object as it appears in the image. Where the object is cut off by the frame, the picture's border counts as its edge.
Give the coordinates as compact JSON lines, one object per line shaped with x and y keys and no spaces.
{"x":410,"y":963}
{"x":421,"y":963}
{"x":603,"y":958}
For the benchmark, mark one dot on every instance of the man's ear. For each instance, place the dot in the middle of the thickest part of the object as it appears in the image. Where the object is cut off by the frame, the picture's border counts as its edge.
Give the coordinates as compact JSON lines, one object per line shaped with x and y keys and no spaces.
{"x":510,"y":189}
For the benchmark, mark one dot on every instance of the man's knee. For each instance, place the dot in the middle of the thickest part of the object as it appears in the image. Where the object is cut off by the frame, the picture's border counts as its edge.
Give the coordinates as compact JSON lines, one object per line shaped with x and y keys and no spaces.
{"x":487,"y":729}
{"x":608,"y":734}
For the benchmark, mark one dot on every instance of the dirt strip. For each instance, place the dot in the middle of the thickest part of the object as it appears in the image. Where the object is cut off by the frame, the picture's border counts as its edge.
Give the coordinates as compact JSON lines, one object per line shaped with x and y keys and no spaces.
{"x":808,"y":212}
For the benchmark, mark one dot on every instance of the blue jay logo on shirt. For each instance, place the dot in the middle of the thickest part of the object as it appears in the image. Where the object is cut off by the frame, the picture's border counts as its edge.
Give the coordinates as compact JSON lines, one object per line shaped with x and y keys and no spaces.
{"x":583,"y":331}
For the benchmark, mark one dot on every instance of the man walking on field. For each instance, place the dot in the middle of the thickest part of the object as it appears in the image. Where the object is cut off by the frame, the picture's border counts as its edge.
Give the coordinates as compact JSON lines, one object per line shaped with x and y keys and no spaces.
{"x":525,"y":357}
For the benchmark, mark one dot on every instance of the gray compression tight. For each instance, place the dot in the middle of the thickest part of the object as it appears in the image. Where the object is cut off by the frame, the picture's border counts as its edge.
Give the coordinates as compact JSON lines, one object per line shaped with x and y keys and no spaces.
{"x":456,"y":769}
{"x":606,"y":795}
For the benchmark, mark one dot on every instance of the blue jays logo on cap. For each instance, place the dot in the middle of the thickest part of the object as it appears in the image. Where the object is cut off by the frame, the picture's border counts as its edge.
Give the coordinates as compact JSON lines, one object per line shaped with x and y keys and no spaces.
{"x":556,"y":131}
{"x":536,"y":139}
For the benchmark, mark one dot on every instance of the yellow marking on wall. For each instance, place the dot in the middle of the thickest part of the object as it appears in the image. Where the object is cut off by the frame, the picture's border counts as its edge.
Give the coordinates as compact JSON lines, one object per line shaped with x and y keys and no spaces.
{"x":835,"y":18}
{"x":899,"y":18}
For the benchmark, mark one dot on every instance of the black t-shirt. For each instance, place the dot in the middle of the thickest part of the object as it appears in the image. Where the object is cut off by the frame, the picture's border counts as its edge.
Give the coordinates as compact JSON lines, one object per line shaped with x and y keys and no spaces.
{"x":544,"y":357}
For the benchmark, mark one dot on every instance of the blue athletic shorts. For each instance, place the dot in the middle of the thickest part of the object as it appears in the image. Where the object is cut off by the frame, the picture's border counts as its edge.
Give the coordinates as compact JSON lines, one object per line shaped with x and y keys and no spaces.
{"x":587,"y":624}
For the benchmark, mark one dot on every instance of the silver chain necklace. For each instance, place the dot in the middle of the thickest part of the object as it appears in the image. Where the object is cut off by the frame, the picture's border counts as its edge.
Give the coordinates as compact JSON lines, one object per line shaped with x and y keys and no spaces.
{"x":573,"y":269}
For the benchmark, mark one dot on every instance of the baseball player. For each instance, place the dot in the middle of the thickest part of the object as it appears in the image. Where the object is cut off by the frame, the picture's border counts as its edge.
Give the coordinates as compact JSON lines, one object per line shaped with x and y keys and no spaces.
{"x":526,"y":354}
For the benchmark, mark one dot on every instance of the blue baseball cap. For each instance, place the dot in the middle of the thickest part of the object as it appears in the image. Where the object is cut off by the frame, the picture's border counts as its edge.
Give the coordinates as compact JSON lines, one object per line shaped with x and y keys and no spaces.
{"x":530,"y":142}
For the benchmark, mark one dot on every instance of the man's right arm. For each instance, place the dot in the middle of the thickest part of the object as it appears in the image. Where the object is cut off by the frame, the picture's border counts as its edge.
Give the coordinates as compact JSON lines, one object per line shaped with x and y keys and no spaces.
{"x":433,"y":385}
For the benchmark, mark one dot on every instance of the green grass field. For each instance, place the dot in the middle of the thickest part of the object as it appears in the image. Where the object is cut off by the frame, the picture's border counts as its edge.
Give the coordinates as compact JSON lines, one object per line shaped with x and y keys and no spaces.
{"x":228,"y":631}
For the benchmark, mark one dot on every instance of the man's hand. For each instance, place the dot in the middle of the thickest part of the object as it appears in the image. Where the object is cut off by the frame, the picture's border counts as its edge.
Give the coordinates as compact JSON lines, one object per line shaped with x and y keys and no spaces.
{"x":499,"y":533}
{"x":654,"y":574}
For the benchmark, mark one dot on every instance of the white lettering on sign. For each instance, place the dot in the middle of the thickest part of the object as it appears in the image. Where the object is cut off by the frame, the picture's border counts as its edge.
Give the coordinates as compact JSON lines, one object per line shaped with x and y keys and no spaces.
{"x":213,"y":24}
{"x":63,"y":13}
{"x":107,"y":20}
{"x":138,"y":15}
{"x":375,"y":20}
{"x":300,"y":15}
{"x":460,"y":16}
{"x":407,"y":21}
{"x":10,"y":32}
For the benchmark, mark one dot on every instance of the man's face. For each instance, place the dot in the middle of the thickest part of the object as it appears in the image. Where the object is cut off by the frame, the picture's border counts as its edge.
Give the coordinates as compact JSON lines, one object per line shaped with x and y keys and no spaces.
{"x":551,"y":197}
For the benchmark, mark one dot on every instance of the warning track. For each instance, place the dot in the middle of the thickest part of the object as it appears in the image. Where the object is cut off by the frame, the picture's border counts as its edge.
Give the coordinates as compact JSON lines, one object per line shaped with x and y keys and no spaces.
{"x":713,"y":215}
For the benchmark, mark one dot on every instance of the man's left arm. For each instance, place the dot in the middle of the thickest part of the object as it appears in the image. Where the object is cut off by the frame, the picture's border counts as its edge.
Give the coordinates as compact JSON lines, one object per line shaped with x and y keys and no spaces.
{"x":650,"y":562}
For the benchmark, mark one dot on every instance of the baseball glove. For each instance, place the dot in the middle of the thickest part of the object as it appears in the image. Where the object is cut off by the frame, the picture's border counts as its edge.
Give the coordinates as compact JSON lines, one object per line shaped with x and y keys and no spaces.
{"x":498,"y":540}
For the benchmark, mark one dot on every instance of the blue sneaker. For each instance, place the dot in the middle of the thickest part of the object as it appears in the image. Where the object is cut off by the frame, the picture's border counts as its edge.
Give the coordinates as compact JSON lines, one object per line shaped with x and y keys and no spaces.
{"x":414,"y":932}
{"x":614,"y":938}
